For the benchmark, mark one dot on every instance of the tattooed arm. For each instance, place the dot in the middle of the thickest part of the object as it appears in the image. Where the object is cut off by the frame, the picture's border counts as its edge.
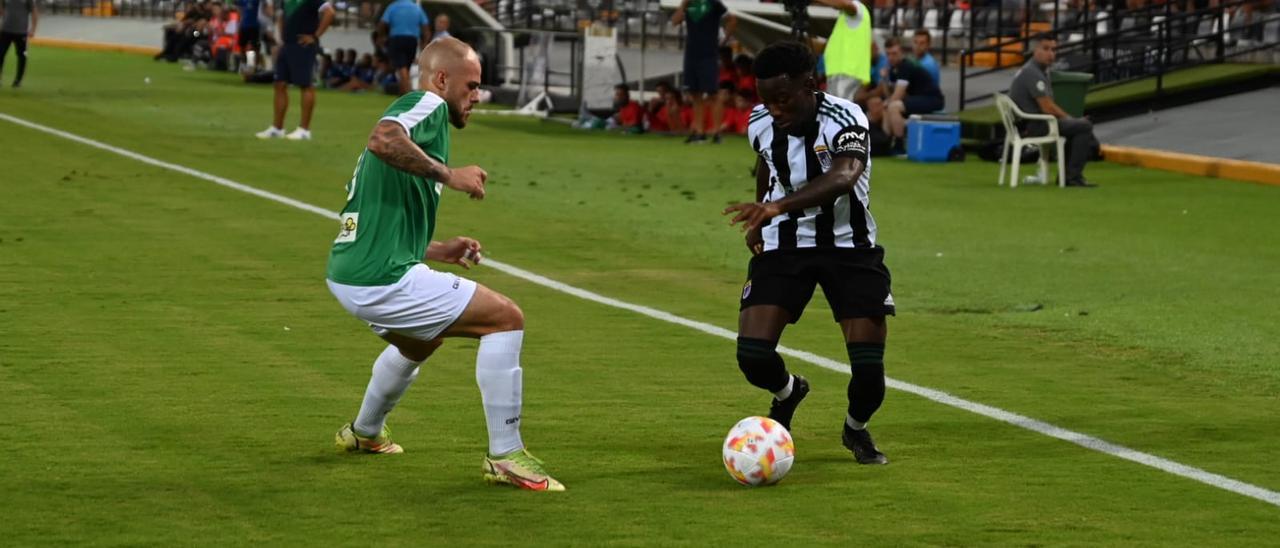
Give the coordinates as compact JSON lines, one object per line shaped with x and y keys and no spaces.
{"x":391,"y":144}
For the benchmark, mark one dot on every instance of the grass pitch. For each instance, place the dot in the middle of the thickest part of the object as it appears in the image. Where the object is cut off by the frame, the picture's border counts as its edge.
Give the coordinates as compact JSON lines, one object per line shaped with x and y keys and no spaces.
{"x":172,"y":367}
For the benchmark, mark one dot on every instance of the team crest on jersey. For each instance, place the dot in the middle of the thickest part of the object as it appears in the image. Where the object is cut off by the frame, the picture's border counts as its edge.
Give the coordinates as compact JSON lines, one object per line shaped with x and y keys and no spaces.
{"x":350,"y":223}
{"x":824,"y":156}
{"x":746,"y":290}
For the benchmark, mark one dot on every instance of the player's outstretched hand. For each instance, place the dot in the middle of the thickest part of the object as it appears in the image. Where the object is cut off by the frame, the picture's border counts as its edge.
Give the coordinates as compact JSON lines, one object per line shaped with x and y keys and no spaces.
{"x":752,"y":215}
{"x":470,"y":180}
{"x":462,"y":251}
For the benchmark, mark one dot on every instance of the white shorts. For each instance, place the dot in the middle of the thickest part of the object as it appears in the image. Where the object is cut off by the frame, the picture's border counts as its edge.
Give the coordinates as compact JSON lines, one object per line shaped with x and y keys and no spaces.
{"x":421,"y":305}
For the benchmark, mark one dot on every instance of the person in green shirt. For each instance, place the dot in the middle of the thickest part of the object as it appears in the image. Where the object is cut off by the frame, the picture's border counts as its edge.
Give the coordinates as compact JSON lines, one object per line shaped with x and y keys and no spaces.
{"x":377,"y":272}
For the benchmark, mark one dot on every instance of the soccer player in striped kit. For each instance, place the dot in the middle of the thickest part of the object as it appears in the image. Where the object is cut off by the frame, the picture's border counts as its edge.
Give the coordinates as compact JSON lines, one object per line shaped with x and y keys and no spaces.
{"x":811,"y":225}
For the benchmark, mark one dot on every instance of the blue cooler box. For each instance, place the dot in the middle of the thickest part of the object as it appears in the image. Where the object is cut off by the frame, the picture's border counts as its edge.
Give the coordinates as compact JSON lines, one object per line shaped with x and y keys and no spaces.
{"x":931,"y":139}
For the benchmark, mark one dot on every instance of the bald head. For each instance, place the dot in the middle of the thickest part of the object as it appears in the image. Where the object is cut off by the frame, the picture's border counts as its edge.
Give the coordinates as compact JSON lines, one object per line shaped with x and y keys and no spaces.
{"x":446,"y":54}
{"x":451,"y":69}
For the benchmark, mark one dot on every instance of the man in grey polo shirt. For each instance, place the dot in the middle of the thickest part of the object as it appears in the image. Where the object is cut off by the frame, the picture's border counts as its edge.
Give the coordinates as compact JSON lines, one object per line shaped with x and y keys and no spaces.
{"x":1032,"y":92}
{"x":18,"y":23}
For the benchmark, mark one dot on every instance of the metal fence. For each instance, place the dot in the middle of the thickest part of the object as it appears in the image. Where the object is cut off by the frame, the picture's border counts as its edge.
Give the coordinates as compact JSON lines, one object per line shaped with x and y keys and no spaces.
{"x":1126,"y":46}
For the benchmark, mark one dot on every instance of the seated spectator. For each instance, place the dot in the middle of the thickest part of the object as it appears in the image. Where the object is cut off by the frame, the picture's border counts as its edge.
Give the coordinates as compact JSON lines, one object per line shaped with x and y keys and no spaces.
{"x":914,"y":92}
{"x":340,"y":72}
{"x":385,"y":76}
{"x":723,"y":101}
{"x":737,"y":115}
{"x":746,"y":76}
{"x":656,"y":110}
{"x":223,"y":40}
{"x":920,"y":43}
{"x":881,"y":144}
{"x":627,"y":115}
{"x":879,"y":74}
{"x":728,"y":71}
{"x":362,"y":76}
{"x":326,"y":64}
{"x":1033,"y":94}
{"x":685,"y":112}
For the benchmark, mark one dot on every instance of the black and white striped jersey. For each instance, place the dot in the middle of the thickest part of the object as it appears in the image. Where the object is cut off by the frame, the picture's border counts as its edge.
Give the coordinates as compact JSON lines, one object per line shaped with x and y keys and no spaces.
{"x":840,"y":129}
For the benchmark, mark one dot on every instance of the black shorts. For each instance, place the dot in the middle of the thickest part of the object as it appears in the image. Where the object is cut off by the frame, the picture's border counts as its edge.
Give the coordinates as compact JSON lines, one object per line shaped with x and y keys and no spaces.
{"x":702,"y":75}
{"x":855,"y":281}
{"x":923,"y":104}
{"x":402,"y":50}
{"x":251,"y":36}
{"x":297,"y":64}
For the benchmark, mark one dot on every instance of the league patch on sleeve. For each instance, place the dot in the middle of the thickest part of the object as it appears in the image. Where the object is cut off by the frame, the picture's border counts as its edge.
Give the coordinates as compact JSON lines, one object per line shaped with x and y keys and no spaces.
{"x":851,"y":142}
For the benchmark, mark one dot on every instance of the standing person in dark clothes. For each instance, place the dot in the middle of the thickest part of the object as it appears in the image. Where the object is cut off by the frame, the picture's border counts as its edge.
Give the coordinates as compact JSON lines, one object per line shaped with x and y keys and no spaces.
{"x":702,"y":19}
{"x":19,"y":24}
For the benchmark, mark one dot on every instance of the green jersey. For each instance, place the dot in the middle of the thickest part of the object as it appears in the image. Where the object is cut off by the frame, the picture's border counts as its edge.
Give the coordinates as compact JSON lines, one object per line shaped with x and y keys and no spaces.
{"x":390,"y":214}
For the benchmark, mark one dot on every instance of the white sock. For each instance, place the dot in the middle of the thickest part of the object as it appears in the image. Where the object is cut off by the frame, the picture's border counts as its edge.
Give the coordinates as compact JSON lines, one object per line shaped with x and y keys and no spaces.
{"x":392,"y":375}
{"x":786,"y":391}
{"x":854,"y":424}
{"x":499,"y":375}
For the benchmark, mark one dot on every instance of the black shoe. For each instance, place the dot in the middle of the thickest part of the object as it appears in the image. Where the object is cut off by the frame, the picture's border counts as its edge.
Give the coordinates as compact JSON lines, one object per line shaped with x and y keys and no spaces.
{"x":864,"y":449}
{"x":783,"y":410}
{"x":715,"y":139}
{"x":695,"y":138}
{"x":17,"y":84}
{"x":1081,"y":183}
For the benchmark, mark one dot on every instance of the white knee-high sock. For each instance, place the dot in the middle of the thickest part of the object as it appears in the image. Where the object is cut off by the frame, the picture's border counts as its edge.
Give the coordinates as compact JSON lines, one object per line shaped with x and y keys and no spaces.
{"x":392,"y":375}
{"x":499,"y":375}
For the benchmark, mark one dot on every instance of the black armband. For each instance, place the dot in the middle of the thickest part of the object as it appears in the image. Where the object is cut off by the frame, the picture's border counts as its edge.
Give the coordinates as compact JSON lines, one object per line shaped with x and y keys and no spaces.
{"x":851,"y":142}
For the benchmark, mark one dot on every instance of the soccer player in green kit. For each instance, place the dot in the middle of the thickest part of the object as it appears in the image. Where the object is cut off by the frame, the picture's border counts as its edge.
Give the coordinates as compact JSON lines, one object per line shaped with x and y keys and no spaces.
{"x":377,"y":271}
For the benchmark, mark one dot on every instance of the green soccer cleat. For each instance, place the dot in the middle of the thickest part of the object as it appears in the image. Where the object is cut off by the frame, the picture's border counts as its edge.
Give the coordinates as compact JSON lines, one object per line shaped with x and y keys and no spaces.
{"x":520,"y":469}
{"x":348,"y":440}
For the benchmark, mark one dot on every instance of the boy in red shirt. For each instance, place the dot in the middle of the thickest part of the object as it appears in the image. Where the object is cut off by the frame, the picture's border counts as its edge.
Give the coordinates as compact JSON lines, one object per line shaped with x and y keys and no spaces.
{"x":627,"y":114}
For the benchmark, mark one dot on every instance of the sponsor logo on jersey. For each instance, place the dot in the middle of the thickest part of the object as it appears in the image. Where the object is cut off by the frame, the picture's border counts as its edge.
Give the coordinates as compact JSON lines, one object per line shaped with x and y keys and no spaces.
{"x":349,"y":224}
{"x":853,"y":139}
{"x":746,"y":290}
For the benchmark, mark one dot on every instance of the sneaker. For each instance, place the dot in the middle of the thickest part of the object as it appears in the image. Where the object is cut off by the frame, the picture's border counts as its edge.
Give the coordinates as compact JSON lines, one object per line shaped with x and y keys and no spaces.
{"x":520,"y":469}
{"x":782,"y":410}
{"x":270,"y":133}
{"x":863,"y":448}
{"x":299,"y":135}
{"x":695,"y":138}
{"x":1081,"y":183}
{"x":348,"y":440}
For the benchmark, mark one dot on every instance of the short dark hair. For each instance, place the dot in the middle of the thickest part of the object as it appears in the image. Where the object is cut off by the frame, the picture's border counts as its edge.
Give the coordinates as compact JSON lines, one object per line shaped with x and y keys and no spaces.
{"x":892,"y":41}
{"x":621,"y":86}
{"x":924,"y":33}
{"x":789,"y":58}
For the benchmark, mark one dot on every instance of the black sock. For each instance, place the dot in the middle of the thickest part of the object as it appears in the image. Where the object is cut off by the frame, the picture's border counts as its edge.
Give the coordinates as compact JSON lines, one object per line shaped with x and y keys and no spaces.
{"x":761,"y":364}
{"x":866,"y":388}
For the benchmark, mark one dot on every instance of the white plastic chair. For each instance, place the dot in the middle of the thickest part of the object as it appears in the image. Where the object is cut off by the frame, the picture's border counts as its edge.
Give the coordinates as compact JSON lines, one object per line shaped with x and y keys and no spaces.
{"x":1010,"y":114}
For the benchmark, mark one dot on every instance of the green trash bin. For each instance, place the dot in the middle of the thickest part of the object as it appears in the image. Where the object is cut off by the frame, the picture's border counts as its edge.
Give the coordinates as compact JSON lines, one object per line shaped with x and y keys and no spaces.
{"x":1069,"y":90}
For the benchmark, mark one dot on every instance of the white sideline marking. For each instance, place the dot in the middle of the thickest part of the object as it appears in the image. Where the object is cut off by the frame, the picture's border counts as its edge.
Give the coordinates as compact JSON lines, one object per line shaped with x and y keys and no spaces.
{"x":1040,"y":427}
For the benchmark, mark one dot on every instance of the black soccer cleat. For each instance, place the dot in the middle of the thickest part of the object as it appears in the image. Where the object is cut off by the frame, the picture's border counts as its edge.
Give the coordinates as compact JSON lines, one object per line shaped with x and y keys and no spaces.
{"x":863,"y":448}
{"x":783,"y":410}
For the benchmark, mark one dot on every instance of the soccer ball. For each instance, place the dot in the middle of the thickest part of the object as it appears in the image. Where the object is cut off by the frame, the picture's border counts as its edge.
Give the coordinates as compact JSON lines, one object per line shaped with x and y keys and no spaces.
{"x":758,"y":451}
